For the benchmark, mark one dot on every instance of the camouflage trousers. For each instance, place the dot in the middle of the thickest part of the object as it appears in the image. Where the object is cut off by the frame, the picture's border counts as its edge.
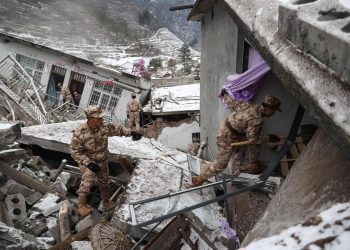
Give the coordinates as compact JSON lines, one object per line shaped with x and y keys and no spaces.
{"x":134,"y":120}
{"x":88,"y":179}
{"x":224,"y":152}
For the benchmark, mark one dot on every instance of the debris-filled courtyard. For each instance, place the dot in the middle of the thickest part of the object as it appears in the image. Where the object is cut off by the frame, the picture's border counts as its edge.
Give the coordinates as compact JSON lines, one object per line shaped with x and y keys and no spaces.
{"x":39,"y":183}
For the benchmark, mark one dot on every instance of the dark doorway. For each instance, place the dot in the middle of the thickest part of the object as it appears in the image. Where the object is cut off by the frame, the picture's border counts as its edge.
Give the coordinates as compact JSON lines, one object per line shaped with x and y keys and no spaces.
{"x":57,"y":76}
{"x":76,"y":86}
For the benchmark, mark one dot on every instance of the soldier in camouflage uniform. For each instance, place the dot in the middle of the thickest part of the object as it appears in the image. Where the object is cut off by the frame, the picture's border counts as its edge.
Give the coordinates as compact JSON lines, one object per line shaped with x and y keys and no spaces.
{"x":246,"y":119}
{"x":89,"y":148}
{"x":65,"y":93}
{"x":133,"y":112}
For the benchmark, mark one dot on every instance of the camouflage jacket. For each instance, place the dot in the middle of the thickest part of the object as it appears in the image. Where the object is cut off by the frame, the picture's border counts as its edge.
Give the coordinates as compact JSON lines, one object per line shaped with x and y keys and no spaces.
{"x":247,"y":118}
{"x":133,"y":106}
{"x":91,"y":145}
{"x":234,"y":104}
{"x":65,"y":92}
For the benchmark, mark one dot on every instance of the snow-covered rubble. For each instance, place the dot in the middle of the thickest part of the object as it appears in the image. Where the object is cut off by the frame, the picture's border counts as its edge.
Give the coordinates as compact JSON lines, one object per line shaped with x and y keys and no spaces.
{"x":328,"y":230}
{"x":159,"y":170}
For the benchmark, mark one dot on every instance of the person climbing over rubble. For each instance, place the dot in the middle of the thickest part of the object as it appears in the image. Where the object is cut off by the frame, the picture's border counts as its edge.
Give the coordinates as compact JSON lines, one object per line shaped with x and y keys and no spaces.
{"x":65,"y":94}
{"x":245,"y":120}
{"x":89,"y":148}
{"x":133,"y":112}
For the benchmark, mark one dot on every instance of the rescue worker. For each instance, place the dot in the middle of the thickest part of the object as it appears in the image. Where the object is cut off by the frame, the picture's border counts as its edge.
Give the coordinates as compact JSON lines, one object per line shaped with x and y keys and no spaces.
{"x":65,"y":93}
{"x":89,"y":148}
{"x":247,"y":120}
{"x":133,"y":112}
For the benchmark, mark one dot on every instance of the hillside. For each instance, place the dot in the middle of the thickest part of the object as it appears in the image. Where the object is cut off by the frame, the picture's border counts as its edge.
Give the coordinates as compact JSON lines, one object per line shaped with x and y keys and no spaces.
{"x":91,"y":29}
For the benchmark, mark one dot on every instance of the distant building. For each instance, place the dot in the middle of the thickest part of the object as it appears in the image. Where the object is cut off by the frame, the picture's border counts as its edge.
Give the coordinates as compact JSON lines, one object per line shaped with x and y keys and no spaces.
{"x":172,"y":115}
{"x":97,"y":85}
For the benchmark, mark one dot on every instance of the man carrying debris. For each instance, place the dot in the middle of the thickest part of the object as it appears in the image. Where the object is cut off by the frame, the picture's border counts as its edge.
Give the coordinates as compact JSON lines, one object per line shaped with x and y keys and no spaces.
{"x":133,"y":112}
{"x":89,"y":148}
{"x":65,"y":93}
{"x":247,"y":120}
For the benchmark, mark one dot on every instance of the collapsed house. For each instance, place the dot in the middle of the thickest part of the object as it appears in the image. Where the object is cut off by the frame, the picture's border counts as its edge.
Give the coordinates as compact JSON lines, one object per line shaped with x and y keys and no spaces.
{"x":30,"y":74}
{"x":304,"y":44}
{"x":139,"y":170}
{"x":172,"y":115}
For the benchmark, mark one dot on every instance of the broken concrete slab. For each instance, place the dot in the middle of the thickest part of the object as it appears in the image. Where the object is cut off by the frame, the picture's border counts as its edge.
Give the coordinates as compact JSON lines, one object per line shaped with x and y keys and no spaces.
{"x":24,"y":241}
{"x":60,"y":188}
{"x":11,"y":156}
{"x":9,"y":132}
{"x":49,"y":200}
{"x":34,"y":227}
{"x":16,"y":206}
{"x":52,"y":209}
{"x":33,"y":198}
{"x":81,"y":245}
{"x":321,"y":21}
{"x":319,"y":178}
{"x":64,"y":177}
{"x":37,"y":162}
{"x":88,"y":221}
{"x":13,"y":187}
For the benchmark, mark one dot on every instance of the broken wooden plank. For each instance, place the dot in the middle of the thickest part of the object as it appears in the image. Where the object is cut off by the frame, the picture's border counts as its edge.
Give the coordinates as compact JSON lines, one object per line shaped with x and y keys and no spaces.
{"x":24,"y":179}
{"x":63,"y":217}
{"x":11,"y":156}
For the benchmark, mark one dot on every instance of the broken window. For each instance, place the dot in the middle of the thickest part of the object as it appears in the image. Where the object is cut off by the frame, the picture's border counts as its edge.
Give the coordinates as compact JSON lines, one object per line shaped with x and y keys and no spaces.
{"x":95,"y":97}
{"x":106,"y":95}
{"x":32,"y":66}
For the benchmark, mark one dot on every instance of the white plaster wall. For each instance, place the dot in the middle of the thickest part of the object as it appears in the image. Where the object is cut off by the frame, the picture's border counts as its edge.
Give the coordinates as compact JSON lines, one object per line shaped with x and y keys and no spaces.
{"x":179,"y":137}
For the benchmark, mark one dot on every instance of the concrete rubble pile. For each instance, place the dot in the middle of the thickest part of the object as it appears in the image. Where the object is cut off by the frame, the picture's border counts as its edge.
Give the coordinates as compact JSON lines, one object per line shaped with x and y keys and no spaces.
{"x":38,"y":204}
{"x":39,"y":194}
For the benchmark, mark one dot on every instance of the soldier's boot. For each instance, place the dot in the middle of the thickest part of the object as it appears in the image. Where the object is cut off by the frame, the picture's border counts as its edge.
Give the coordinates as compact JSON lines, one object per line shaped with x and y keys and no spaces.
{"x":83,"y":209}
{"x":107,"y":204}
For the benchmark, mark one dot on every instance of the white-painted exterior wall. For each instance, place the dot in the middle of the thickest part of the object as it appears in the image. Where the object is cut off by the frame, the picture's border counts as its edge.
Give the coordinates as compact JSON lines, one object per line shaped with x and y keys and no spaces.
{"x":9,"y":45}
{"x":179,"y":137}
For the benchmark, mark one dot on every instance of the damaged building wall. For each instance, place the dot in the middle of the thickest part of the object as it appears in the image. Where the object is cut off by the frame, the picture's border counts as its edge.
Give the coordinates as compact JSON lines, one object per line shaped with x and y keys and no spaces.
{"x":220,"y":46}
{"x":178,"y":134}
{"x":51,"y":57}
{"x":319,"y":178}
{"x":218,"y":24}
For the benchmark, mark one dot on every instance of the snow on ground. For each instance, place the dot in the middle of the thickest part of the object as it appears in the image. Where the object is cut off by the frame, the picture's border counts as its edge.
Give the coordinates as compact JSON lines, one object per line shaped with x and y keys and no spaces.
{"x":160,"y":170}
{"x":5,"y":125}
{"x":175,"y":98}
{"x":329,"y":230}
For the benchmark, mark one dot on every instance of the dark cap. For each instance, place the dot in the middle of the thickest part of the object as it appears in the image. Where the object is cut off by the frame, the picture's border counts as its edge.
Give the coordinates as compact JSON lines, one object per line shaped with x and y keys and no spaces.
{"x":273,"y":102}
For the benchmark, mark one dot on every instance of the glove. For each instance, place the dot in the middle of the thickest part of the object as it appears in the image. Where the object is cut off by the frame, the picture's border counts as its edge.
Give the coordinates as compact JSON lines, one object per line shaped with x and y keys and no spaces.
{"x":274,"y":138}
{"x":93,"y":167}
{"x":135,"y":136}
{"x":198,"y":181}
